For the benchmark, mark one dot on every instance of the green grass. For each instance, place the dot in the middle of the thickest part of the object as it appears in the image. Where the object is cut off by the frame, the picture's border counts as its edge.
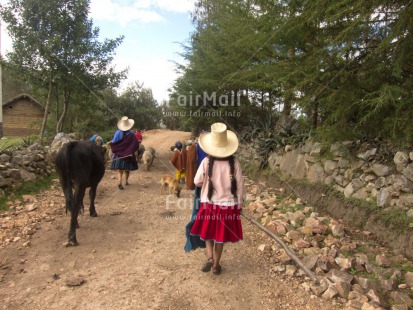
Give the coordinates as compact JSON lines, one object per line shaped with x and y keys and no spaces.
{"x":397,"y":219}
{"x":289,"y":206}
{"x":363,"y":274}
{"x":251,"y":169}
{"x":405,"y":267}
{"x":394,"y":219}
{"x":371,"y":257}
{"x":28,"y":188}
{"x":347,"y":254}
{"x":355,"y":272}
{"x":361,"y":248}
{"x":7,"y":142}
{"x":326,"y":155}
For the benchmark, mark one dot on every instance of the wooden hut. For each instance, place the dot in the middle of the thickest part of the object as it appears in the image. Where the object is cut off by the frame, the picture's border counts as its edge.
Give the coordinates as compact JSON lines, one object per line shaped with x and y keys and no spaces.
{"x":22,"y":116}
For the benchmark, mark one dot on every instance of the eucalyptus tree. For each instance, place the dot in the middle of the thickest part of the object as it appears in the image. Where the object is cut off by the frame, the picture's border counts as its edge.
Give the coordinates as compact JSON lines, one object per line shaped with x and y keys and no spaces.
{"x":345,"y":66}
{"x":138,"y":103}
{"x":240,"y":47}
{"x":55,"y":46}
{"x":13,"y":86}
{"x":217,"y":52}
{"x":360,"y":70}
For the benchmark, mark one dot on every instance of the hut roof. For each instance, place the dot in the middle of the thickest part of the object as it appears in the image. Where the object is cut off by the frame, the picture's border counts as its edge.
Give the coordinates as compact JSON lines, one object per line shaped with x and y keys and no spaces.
{"x":22,"y":96}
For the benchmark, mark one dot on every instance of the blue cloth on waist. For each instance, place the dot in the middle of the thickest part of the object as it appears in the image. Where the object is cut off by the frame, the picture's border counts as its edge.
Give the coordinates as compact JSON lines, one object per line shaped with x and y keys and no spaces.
{"x":194,"y":242}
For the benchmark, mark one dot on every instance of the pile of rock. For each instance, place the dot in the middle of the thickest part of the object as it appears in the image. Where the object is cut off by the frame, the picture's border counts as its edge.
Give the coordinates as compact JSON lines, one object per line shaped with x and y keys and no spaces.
{"x":350,"y":266}
{"x":60,"y":139}
{"x":29,"y":163}
{"x":23,"y":164}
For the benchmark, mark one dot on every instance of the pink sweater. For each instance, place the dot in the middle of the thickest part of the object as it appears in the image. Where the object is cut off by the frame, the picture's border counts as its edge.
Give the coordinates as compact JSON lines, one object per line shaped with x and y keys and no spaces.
{"x":221,"y":181}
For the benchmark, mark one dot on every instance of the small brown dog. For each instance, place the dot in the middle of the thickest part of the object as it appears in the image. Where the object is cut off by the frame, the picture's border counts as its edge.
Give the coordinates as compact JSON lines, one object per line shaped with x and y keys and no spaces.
{"x":172,"y":183}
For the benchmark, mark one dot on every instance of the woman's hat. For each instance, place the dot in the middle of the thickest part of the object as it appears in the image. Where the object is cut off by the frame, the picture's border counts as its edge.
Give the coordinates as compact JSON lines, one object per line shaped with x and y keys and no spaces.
{"x":220,"y":142}
{"x":125,"y":123}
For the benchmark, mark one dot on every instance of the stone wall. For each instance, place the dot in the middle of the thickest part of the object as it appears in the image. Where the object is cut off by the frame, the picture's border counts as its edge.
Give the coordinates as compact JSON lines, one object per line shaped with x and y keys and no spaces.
{"x":29,"y":163}
{"x":358,"y":170}
{"x":23,"y":164}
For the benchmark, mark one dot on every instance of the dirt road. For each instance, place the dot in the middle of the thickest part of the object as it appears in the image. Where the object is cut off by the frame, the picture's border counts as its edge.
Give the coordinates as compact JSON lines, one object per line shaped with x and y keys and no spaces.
{"x":131,"y":256}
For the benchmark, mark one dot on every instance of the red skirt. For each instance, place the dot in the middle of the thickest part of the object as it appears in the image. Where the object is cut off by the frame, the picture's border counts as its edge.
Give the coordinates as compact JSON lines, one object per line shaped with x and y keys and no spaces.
{"x":218,"y":223}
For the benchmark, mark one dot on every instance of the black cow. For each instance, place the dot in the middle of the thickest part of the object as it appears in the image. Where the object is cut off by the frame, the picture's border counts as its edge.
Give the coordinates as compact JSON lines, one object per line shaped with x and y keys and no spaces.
{"x":80,"y":164}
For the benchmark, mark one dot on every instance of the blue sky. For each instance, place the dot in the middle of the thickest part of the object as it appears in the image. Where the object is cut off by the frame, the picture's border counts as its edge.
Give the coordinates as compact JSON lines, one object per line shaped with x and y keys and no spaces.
{"x":153,"y":30}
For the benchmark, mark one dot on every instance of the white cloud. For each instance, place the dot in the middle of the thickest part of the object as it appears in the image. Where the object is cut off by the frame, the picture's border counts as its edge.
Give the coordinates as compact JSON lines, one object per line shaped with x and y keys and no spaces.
{"x":5,"y":40}
{"x":176,"y":6}
{"x":123,"y":14}
{"x":145,"y":11}
{"x":157,"y":74}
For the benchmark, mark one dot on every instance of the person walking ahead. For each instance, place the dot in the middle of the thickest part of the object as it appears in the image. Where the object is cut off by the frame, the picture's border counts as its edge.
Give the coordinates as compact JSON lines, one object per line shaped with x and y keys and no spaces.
{"x":178,"y":161}
{"x":123,"y":145}
{"x":222,"y":194}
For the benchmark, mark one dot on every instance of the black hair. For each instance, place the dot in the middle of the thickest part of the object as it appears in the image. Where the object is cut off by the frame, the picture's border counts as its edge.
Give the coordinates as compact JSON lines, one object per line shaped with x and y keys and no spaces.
{"x":230,"y":159}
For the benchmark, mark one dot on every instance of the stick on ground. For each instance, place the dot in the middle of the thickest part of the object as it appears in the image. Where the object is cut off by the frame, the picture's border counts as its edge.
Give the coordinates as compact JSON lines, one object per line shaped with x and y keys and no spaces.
{"x":285,"y":247}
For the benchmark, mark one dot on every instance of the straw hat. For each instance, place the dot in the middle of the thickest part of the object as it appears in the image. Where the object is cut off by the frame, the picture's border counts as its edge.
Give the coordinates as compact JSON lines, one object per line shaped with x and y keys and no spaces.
{"x":220,"y":142}
{"x":125,"y":123}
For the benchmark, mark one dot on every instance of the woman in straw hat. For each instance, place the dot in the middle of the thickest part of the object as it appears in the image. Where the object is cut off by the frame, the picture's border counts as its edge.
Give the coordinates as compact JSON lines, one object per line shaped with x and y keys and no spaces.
{"x":123,"y":145}
{"x":220,"y":176}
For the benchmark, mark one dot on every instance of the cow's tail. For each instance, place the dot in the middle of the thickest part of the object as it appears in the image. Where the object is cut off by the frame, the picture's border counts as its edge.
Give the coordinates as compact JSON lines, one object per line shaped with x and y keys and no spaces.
{"x":67,"y":175}
{"x":62,"y":163}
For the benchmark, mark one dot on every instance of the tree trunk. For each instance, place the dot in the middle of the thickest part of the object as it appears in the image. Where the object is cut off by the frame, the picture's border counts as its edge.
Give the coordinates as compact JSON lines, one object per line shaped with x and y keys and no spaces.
{"x":57,"y":103}
{"x":262,"y":100}
{"x":315,"y":115}
{"x":289,"y":94}
{"x":59,"y":125}
{"x":288,"y":98}
{"x":287,"y":109}
{"x":46,"y":110}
